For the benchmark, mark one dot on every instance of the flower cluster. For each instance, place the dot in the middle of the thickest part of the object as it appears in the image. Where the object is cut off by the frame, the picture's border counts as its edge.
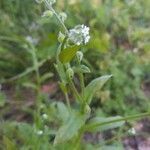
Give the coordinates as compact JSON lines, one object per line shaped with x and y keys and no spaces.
{"x":32,"y":40}
{"x":79,"y":35}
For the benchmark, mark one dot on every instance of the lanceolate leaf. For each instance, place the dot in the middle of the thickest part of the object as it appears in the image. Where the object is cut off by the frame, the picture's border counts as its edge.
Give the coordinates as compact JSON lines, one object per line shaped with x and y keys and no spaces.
{"x":70,"y":127}
{"x":94,"y":86}
{"x":101,"y":124}
{"x":67,"y":54}
{"x":61,"y":71}
{"x":63,"y":111}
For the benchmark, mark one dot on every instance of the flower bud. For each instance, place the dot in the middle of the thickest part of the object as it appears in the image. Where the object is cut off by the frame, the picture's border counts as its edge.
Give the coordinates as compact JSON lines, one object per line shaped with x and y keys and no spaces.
{"x":85,"y":69}
{"x":79,"y":35}
{"x":47,"y":13}
{"x":79,"y":55}
{"x":132,"y":131}
{"x":70,"y":73}
{"x":40,"y":132}
{"x":61,"y":37}
{"x":45,"y":116}
{"x":87,"y":109}
{"x":63,"y":16}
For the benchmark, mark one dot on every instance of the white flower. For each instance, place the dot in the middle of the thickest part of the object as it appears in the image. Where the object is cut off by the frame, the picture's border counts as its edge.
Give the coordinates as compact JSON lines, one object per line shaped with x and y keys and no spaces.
{"x":132,"y":131}
{"x":33,"y":26}
{"x":87,"y":38}
{"x":45,"y":116}
{"x":32,"y":40}
{"x":40,"y":132}
{"x":79,"y":35}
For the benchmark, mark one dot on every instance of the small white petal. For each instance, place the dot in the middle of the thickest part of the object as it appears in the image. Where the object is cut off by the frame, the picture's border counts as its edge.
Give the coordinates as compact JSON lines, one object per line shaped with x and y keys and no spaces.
{"x":132,"y":131}
{"x":79,"y":34}
{"x":45,"y":116}
{"x":40,"y":132}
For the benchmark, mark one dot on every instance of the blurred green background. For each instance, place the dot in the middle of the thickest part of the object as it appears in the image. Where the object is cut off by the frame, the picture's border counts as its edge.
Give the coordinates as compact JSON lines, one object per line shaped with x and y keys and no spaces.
{"x":119,"y":45}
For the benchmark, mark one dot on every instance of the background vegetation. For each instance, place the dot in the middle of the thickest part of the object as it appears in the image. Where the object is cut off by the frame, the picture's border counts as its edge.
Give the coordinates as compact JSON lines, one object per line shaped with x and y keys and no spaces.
{"x":119,"y":45}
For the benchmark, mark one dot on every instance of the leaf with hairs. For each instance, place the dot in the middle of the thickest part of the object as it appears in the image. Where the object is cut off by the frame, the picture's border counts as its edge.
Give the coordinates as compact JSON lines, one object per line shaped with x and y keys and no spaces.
{"x":94,"y":86}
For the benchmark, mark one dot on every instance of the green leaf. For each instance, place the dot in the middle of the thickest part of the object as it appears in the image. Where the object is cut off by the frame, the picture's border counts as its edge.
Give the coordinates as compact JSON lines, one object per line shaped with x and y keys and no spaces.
{"x":68,"y":53}
{"x":70,"y":127}
{"x":61,"y":71}
{"x":102,"y":124}
{"x":81,"y":69}
{"x":9,"y":145}
{"x":94,"y":86}
{"x":63,"y":111}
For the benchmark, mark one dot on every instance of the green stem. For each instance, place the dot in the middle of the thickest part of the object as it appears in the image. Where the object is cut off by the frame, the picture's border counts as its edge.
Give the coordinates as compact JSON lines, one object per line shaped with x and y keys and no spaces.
{"x":133,"y":117}
{"x":74,"y":90}
{"x":26,"y":72}
{"x":36,"y":67}
{"x":57,"y":61}
{"x":81,"y":77}
{"x":65,"y":4}
{"x":57,"y":16}
{"x":57,"y":54}
{"x":6,"y":38}
{"x":82,"y":83}
{"x":67,"y":101}
{"x":77,"y":141}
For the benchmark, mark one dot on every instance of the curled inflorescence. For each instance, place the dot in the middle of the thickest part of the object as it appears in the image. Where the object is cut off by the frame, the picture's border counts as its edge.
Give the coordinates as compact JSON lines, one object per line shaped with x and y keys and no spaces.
{"x":79,"y":34}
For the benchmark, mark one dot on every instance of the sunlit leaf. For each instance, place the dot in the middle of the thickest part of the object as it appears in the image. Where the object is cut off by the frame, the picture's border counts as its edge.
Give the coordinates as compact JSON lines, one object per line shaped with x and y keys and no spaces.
{"x":67,"y":54}
{"x":94,"y":86}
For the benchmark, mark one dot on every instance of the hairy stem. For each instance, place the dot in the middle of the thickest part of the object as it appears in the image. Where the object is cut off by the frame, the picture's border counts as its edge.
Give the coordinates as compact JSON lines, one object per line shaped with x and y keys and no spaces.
{"x":57,"y":61}
{"x":75,"y":92}
{"x":57,"y":16}
{"x":36,"y":68}
{"x":81,"y":78}
{"x":67,"y":100}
